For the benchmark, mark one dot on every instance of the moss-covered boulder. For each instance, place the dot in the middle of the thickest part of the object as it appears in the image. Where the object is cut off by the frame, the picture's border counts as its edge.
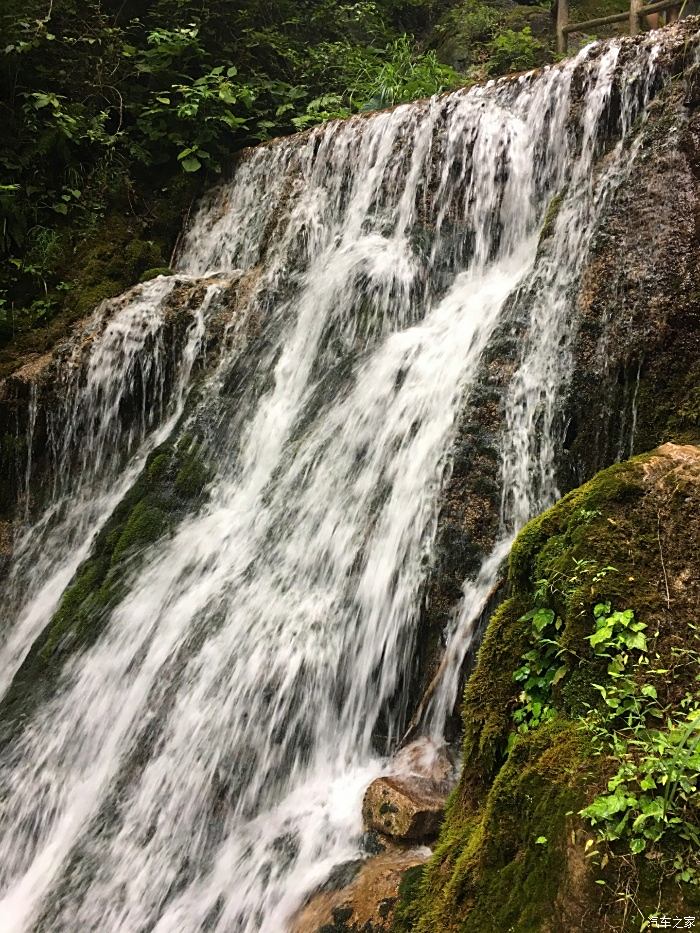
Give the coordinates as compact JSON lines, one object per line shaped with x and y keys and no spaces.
{"x":618,"y":557}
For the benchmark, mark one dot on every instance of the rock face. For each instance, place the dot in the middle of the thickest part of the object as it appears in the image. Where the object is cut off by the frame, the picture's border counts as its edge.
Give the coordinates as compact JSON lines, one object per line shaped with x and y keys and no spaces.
{"x":635,"y":366}
{"x":513,"y":853}
{"x":637,"y":353}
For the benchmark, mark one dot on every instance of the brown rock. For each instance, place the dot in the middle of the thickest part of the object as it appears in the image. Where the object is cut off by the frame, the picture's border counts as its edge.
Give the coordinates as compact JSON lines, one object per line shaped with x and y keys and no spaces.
{"x":409,"y":803}
{"x":404,"y":808}
{"x":367,"y":903}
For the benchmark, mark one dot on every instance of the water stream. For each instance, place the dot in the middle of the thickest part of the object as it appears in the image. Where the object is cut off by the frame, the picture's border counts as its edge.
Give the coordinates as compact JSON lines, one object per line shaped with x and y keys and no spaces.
{"x":201,"y":765}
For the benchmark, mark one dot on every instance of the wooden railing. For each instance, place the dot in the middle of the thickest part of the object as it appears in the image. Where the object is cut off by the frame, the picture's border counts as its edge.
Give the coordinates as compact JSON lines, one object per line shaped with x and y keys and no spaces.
{"x":636,"y":11}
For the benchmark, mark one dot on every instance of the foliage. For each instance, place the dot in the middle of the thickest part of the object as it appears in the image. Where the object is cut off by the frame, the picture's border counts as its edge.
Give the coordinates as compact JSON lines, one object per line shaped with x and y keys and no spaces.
{"x":547,"y":661}
{"x":494,"y":38}
{"x":656,"y":751}
{"x":513,"y":51}
{"x":649,"y":799}
{"x":540,"y":672}
{"x":402,"y":76}
{"x":106,"y":102}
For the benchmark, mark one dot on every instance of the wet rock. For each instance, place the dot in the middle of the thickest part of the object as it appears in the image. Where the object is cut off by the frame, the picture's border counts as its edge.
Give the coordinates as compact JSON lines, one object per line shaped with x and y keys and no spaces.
{"x":406,"y":809}
{"x":637,"y":303}
{"x":409,"y":804}
{"x":367,"y":904}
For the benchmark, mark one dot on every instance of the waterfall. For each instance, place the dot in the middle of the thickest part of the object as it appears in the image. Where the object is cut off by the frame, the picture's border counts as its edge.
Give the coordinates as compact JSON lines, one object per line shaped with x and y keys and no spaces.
{"x":200,"y":764}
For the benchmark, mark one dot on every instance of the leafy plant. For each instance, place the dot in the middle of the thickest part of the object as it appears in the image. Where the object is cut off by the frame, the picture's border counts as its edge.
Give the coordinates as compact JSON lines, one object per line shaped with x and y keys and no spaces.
{"x":513,"y":51}
{"x":402,"y":75}
{"x":650,"y":797}
{"x":541,"y":671}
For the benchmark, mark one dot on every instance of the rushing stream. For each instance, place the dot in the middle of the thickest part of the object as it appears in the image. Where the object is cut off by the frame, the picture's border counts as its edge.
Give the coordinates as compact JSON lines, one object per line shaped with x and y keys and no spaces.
{"x":201,"y":765}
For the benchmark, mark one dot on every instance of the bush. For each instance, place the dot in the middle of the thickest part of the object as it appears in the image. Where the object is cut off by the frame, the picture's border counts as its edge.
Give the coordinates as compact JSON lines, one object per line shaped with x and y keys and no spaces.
{"x":513,"y":51}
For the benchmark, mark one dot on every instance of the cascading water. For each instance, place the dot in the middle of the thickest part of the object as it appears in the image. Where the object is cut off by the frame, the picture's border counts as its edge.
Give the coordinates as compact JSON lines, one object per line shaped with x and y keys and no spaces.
{"x":95,"y":455}
{"x":200,"y":766}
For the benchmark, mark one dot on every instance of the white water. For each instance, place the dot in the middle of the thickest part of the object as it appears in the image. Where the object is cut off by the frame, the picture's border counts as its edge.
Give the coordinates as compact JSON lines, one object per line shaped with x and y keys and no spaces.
{"x":201,"y":766}
{"x":95,"y":457}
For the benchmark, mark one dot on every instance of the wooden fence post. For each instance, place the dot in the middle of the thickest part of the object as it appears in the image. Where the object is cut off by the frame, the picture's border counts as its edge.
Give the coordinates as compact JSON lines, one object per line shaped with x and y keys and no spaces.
{"x":635,"y":24}
{"x":562,"y":21}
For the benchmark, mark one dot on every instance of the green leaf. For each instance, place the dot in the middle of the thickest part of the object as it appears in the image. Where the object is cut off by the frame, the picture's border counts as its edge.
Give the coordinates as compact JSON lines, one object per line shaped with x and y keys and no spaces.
{"x":637,"y":844}
{"x":191,"y":164}
{"x":541,"y":619}
{"x":604,"y":807}
{"x":601,"y":636}
{"x":541,"y":841}
{"x":60,"y":208}
{"x":636,"y":640}
{"x":226,"y":94}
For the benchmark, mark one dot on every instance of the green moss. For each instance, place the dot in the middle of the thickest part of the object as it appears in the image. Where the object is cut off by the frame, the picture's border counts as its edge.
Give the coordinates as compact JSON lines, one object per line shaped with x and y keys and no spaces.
{"x":487,"y":874}
{"x":108,"y":262}
{"x":490,"y":695}
{"x":172,"y":480}
{"x":145,"y":524}
{"x":154,"y":273}
{"x":551,"y":215}
{"x":409,"y":888}
{"x":191,"y":477}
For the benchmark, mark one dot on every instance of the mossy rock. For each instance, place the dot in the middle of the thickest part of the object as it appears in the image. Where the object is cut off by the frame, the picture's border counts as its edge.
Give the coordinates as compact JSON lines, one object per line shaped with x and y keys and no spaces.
{"x":111,"y":260}
{"x":512,"y":851}
{"x":170,"y":486}
{"x":154,"y":273}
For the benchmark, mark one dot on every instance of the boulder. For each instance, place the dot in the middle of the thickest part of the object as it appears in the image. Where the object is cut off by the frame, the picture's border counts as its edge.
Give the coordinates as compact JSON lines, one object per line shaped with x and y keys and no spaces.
{"x":367,"y":903}
{"x":406,"y":809}
{"x":409,"y":803}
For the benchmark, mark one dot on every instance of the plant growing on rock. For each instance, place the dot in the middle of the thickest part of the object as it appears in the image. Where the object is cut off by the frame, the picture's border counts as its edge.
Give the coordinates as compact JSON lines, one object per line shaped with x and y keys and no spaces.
{"x":649,"y":799}
{"x":656,"y":751}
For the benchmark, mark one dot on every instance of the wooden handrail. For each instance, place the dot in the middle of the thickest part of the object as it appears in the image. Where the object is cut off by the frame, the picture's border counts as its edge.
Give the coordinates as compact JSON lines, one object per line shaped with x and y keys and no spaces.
{"x":601,"y":21}
{"x":636,"y":11}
